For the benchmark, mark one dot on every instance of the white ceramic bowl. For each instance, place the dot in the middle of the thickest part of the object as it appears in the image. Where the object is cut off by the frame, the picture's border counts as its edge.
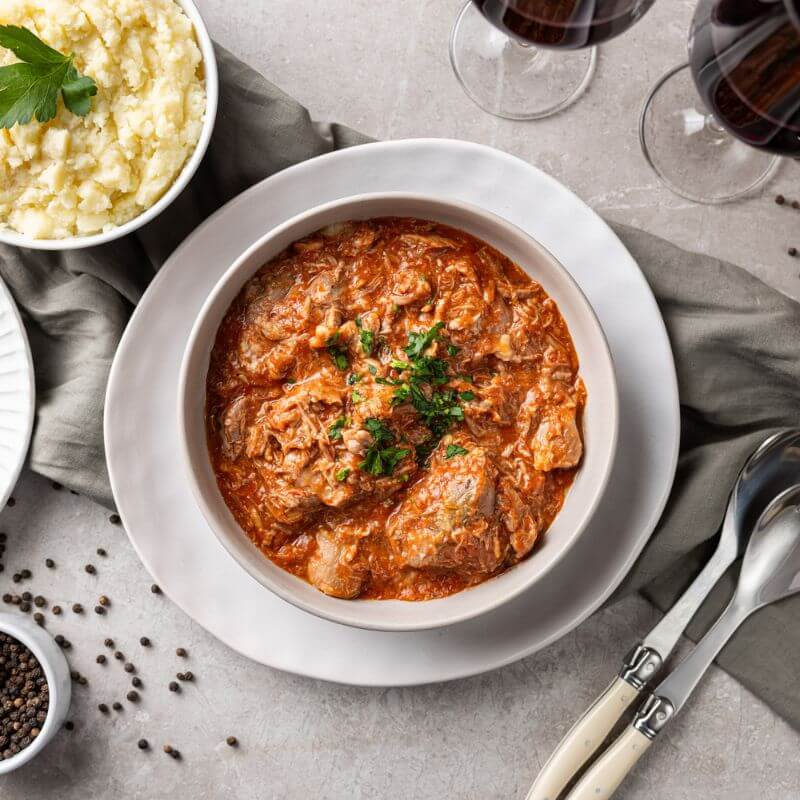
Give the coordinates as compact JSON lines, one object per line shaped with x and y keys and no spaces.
{"x":600,"y":417}
{"x":56,"y":671}
{"x":187,"y":173}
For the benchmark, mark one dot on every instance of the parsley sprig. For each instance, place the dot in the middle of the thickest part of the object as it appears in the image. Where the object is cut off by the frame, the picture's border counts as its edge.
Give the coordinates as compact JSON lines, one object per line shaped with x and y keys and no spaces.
{"x":29,"y":89}
{"x":337,"y":353}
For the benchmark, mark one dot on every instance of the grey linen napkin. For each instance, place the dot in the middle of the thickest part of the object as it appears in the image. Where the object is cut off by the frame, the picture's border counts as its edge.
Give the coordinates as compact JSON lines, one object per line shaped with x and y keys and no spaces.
{"x":733,"y":337}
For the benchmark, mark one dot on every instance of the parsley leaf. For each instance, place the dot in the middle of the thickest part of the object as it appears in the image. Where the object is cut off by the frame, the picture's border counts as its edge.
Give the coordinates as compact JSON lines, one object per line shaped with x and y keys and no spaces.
{"x":353,"y":378}
{"x":382,"y":456}
{"x":454,"y":450}
{"x":467,"y":396}
{"x":357,"y":397}
{"x":420,"y":341}
{"x":367,"y":338}
{"x":337,"y":352}
{"x":29,"y":90}
{"x":452,"y":350}
{"x":342,"y":474}
{"x":335,"y":430}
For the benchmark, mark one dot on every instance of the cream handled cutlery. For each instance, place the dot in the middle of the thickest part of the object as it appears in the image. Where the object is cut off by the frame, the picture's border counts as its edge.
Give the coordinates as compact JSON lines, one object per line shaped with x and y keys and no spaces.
{"x":770,"y":572}
{"x":773,"y":467}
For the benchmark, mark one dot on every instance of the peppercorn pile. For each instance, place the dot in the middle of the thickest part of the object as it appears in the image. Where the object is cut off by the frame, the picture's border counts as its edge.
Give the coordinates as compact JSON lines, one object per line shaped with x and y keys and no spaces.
{"x":24,"y":697}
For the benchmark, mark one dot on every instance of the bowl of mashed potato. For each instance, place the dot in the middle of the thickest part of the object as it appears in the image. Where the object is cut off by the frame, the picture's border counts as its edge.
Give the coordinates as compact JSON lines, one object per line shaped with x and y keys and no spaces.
{"x":80,"y":181}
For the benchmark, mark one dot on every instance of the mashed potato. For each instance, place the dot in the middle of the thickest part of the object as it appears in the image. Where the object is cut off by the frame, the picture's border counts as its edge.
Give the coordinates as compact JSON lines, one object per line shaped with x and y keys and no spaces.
{"x":77,"y":176}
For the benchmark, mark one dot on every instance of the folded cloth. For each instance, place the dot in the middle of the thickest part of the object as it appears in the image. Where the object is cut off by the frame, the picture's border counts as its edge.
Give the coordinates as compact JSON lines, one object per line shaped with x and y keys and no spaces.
{"x":733,"y":338}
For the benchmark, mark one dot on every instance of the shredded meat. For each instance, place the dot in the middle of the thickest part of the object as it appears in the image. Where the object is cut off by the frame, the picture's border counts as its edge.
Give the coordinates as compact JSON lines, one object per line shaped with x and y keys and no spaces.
{"x":323,"y":425}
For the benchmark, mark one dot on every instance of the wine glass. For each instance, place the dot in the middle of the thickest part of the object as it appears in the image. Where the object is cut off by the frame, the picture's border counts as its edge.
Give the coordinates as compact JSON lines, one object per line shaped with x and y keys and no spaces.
{"x":528,"y":59}
{"x":713,"y":129}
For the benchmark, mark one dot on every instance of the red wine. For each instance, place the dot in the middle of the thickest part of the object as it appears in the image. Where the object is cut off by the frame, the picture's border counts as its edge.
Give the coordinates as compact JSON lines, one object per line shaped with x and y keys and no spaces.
{"x":745,"y":61}
{"x":563,"y":24}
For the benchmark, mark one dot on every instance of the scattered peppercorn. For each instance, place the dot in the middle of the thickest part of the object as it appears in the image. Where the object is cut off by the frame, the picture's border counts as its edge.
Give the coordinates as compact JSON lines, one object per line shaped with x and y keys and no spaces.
{"x":142,"y":744}
{"x":101,"y":552}
{"x":136,"y":681}
{"x":59,"y":639}
{"x":77,"y":608}
{"x":16,"y":599}
{"x":39,"y":601}
{"x":173,"y":687}
{"x":155,"y":589}
{"x":102,"y":708}
{"x":168,"y":749}
{"x":56,"y":610}
{"x":103,"y":600}
{"x":26,"y":573}
{"x":115,"y":519}
{"x":795,"y":204}
{"x":38,"y":618}
{"x":117,"y":706}
{"x":133,"y":696}
{"x":144,"y":641}
{"x":90,"y":569}
{"x":181,"y":652}
{"x":792,"y":251}
{"x":25,"y":606}
{"x":49,"y":563}
{"x":129,"y":667}
{"x":180,"y":676}
{"x":69,"y":725}
{"x":780,"y":199}
{"x":3,"y":537}
{"x":11,"y":502}
{"x":6,"y":598}
{"x":83,"y":680}
{"x":101,"y":659}
{"x":16,"y":577}
{"x":232,"y":741}
{"x":119,"y":656}
{"x":99,"y":610}
{"x":109,"y":643}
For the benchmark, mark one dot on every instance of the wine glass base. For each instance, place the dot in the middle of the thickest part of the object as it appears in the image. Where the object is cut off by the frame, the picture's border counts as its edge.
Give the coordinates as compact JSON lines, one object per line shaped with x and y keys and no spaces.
{"x":512,"y":80}
{"x":692,"y":154}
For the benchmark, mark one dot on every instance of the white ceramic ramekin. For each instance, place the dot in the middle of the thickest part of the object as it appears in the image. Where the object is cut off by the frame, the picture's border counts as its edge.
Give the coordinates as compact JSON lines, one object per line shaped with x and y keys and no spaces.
{"x":600,"y":419}
{"x":8,"y":236}
{"x":56,"y":671}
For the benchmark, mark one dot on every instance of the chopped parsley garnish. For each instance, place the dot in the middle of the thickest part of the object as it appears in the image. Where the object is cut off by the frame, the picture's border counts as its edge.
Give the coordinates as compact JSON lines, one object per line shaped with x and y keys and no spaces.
{"x":335,"y":430}
{"x":420,"y":341}
{"x":30,"y":89}
{"x":342,"y":474}
{"x":337,"y":352}
{"x":454,"y":450}
{"x":353,"y":378}
{"x":357,"y":397}
{"x":452,"y":350}
{"x":367,"y":338}
{"x":467,"y":396}
{"x":382,"y":456}
{"x":372,"y":370}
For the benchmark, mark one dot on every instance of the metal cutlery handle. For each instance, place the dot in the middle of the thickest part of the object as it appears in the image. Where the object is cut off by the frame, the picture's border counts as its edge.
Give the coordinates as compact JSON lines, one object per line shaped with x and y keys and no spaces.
{"x":589,"y":732}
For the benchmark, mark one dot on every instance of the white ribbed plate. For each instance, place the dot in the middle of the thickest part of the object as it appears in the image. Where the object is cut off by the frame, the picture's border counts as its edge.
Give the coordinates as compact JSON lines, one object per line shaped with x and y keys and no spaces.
{"x":17,"y":394}
{"x":186,"y":559}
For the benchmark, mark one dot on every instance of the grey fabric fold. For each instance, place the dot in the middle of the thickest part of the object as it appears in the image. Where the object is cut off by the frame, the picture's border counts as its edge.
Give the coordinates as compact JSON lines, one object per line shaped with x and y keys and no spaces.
{"x":734,"y":341}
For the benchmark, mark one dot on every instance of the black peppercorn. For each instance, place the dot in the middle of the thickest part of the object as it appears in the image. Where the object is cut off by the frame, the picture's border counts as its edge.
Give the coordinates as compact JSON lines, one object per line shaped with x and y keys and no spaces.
{"x":136,"y":681}
{"x":133,"y":696}
{"x":99,"y":610}
{"x":142,"y":744}
{"x":109,"y":643}
{"x":173,"y":687}
{"x":90,"y":569}
{"x":114,"y":519}
{"x":77,"y":608}
{"x":181,"y":652}
{"x":144,"y":641}
{"x":780,"y":199}
{"x":117,"y":706}
{"x":129,"y":667}
{"x":49,"y":563}
{"x":102,"y":708}
{"x":119,"y":656}
{"x":101,"y":659}
{"x":101,"y":552}
{"x":232,"y":741}
{"x":155,"y":589}
{"x":56,"y":610}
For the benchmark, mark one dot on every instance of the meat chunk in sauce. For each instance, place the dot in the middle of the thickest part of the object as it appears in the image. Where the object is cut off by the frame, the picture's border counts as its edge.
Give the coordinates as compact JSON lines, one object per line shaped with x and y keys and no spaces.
{"x":373,"y":468}
{"x":447,"y":520}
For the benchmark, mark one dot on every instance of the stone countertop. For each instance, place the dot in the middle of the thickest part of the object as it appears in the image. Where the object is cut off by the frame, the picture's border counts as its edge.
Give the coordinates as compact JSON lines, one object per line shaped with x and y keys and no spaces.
{"x":382,"y":67}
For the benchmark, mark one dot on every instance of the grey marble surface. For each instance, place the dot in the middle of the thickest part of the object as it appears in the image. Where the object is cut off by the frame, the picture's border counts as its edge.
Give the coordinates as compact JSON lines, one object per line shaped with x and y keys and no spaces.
{"x":382,"y":66}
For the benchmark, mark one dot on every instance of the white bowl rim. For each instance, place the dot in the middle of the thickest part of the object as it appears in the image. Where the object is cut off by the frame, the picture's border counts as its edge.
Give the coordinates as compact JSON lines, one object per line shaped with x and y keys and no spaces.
{"x":11,"y":237}
{"x":21,"y":630}
{"x":347,"y":616}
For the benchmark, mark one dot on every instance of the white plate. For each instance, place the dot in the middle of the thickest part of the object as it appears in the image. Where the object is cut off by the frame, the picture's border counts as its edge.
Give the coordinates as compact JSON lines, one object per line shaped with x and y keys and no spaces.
{"x":17,"y":394}
{"x":183,"y":555}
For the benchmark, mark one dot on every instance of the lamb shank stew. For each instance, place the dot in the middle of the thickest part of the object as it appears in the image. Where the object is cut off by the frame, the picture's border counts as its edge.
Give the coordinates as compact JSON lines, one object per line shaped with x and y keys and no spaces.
{"x":394,"y":410}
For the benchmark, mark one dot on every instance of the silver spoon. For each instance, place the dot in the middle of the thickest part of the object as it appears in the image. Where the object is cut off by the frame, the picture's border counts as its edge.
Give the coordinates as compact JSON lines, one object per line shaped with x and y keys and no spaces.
{"x":773,"y":467}
{"x":770,"y":572}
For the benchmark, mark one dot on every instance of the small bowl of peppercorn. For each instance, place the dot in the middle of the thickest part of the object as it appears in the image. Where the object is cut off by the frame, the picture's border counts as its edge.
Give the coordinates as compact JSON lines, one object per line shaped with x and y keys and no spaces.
{"x":35,"y":691}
